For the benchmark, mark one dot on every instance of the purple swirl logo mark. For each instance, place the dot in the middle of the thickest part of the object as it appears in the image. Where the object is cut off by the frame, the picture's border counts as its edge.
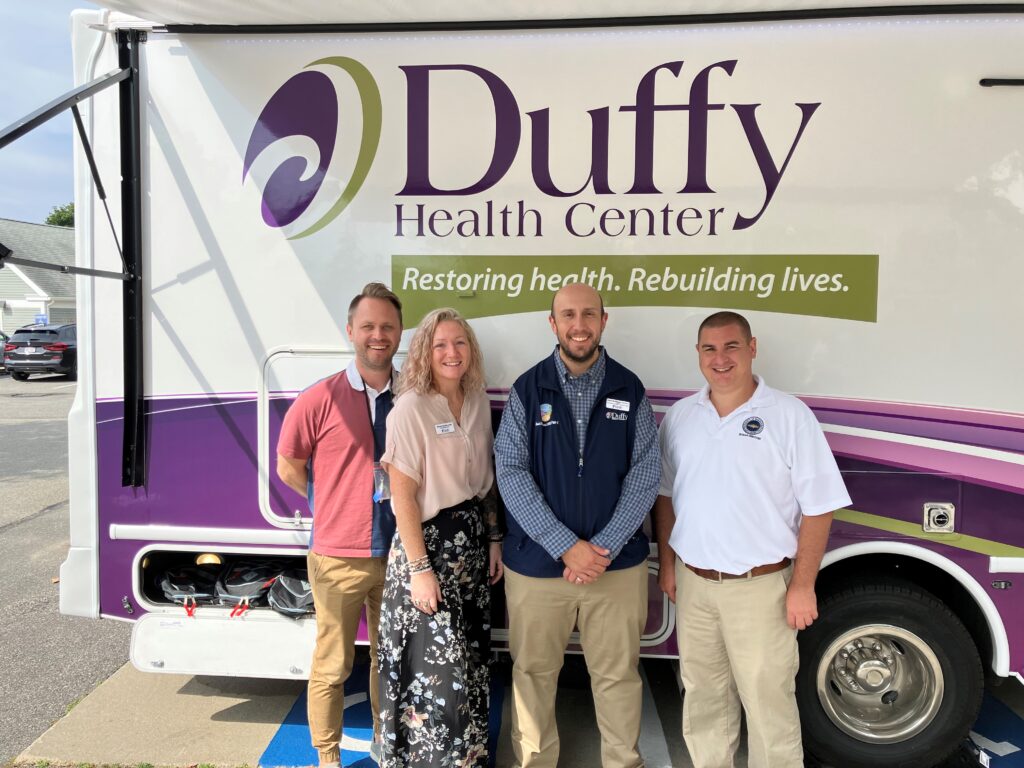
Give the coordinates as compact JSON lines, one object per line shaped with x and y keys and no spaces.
{"x":307,"y":106}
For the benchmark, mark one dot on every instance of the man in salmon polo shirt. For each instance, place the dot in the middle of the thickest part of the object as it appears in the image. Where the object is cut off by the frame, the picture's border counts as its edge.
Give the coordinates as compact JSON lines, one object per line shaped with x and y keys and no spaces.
{"x":748,"y":488}
{"x":330,"y":440}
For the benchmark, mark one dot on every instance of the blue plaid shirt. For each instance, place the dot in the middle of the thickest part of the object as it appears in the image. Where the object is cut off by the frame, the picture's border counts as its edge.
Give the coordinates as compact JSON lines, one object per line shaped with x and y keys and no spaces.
{"x":520,"y":491}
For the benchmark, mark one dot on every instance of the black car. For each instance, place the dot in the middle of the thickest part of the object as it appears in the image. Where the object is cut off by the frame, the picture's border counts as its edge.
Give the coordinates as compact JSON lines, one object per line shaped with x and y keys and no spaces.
{"x":42,"y":349}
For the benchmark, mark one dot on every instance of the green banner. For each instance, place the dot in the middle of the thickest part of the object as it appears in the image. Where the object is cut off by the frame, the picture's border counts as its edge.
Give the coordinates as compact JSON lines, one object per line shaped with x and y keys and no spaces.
{"x":839,"y":286}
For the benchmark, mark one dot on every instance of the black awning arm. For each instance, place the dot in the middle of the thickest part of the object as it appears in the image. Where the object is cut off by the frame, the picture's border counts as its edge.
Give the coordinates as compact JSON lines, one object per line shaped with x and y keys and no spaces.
{"x":6,"y":258}
{"x":100,"y":191}
{"x":49,"y":111}
{"x":134,"y":446}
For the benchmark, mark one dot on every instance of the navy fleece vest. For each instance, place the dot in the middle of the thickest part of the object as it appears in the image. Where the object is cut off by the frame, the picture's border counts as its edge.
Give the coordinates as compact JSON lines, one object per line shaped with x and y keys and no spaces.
{"x":583,"y":496}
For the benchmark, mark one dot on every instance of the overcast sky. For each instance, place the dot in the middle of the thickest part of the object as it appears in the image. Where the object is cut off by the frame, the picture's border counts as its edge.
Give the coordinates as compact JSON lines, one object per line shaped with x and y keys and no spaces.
{"x":35,"y":58}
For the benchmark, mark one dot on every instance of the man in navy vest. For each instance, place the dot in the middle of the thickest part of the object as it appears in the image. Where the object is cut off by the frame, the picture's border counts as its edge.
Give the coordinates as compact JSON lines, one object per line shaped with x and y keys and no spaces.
{"x":578,"y":468}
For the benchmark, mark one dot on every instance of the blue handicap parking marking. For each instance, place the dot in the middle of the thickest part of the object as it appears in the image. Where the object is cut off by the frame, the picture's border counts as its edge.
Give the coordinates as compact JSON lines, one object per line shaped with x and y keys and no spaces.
{"x":291,"y":746}
{"x":1000,"y":732}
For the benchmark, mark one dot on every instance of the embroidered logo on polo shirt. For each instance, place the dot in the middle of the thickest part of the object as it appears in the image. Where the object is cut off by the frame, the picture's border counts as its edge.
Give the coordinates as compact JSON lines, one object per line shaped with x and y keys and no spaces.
{"x":753,"y":427}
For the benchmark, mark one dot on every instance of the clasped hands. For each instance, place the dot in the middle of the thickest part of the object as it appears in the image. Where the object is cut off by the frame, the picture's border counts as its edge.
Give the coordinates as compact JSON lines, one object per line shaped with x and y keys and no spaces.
{"x":584,"y":562}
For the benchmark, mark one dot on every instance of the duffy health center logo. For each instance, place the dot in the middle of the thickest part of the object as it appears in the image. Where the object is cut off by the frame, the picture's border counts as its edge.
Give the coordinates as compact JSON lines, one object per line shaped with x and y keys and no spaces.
{"x":302,"y":190}
{"x":307,"y":106}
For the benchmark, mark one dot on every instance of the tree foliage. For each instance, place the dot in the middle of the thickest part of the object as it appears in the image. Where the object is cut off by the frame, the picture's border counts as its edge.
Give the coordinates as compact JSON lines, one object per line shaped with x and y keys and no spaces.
{"x":62,"y":215}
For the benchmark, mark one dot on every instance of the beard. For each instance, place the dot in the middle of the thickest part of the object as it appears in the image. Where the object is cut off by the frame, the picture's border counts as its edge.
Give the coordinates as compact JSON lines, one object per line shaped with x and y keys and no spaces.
{"x":364,"y":355}
{"x":590,"y":353}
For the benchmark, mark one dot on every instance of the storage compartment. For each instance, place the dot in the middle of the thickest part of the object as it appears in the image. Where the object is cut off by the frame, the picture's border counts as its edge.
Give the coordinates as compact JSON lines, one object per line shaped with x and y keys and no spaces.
{"x":218,"y":637}
{"x":236,"y":581}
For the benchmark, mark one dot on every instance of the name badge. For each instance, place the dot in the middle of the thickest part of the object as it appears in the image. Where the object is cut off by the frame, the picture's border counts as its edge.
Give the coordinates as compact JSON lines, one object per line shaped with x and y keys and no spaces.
{"x":445,"y":429}
{"x":617,"y":405}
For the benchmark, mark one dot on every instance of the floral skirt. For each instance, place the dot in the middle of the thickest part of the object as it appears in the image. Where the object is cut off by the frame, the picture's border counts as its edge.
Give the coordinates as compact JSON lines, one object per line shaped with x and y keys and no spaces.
{"x":434,"y":671}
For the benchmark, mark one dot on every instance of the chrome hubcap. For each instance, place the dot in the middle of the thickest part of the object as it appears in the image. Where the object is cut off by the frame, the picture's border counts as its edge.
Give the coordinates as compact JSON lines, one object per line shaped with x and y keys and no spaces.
{"x":880,"y":683}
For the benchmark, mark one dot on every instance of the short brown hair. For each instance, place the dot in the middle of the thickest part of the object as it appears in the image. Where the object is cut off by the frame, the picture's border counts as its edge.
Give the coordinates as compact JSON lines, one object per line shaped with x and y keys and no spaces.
{"x":722,"y":319}
{"x":376,"y":291}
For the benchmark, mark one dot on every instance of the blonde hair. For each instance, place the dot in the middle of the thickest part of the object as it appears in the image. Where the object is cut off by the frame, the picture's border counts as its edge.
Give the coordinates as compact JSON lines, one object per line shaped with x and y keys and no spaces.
{"x":416,"y":373}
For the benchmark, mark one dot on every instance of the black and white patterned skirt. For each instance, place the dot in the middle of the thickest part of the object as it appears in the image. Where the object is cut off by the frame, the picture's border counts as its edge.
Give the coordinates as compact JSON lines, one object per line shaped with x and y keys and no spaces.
{"x":434,"y":670}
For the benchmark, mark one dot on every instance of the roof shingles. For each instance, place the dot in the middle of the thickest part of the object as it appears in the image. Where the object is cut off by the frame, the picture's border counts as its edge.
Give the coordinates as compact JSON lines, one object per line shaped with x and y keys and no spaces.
{"x":42,"y":242}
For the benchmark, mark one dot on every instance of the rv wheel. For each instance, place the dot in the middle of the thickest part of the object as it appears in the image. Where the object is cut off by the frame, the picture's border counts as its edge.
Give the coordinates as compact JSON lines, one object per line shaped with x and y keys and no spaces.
{"x":888,"y":676}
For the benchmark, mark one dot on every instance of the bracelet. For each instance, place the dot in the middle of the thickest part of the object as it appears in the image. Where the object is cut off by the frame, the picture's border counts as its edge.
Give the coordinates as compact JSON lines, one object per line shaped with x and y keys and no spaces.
{"x":496,"y":539}
{"x":420,"y":565}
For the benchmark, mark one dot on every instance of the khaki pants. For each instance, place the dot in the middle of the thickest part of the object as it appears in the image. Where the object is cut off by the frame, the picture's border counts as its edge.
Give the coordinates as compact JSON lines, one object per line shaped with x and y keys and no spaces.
{"x":736,"y":647}
{"x":341,"y":585}
{"x":610,"y":615}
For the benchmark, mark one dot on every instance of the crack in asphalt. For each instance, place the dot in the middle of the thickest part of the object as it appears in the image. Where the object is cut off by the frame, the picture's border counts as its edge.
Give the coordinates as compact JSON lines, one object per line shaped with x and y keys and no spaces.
{"x":33,"y":516}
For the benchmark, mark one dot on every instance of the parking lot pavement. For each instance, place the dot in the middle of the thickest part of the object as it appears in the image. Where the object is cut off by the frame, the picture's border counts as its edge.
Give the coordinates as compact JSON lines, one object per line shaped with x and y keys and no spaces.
{"x":168,"y":720}
{"x":47,"y":396}
{"x":33,"y":445}
{"x":174,"y":720}
{"x":47,"y":661}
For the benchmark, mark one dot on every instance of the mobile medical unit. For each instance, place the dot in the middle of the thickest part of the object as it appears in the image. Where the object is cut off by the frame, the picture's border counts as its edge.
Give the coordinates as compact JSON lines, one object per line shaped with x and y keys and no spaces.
{"x":850,"y":178}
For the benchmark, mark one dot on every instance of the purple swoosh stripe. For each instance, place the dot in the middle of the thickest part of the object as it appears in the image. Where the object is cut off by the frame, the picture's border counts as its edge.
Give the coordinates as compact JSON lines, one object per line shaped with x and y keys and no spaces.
{"x":998,"y":419}
{"x":917,"y":411}
{"x":984,"y":436}
{"x":976,"y":469}
{"x":986,"y":429}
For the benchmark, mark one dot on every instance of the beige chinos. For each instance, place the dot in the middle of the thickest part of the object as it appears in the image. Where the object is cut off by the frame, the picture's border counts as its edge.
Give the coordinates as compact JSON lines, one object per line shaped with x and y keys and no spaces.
{"x":610,"y":614}
{"x":341,"y":586}
{"x":736,"y":646}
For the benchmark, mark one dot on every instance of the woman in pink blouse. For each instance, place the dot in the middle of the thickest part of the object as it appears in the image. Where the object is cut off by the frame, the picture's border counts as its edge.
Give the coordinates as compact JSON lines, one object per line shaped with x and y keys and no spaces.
{"x":435,"y":628}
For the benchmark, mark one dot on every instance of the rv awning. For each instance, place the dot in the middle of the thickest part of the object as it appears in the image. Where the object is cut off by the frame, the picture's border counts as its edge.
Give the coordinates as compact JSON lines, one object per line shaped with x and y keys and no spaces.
{"x":307,"y":12}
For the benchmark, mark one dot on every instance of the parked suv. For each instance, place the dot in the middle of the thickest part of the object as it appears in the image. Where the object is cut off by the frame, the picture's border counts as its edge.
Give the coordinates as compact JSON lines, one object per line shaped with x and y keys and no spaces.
{"x":42,"y":349}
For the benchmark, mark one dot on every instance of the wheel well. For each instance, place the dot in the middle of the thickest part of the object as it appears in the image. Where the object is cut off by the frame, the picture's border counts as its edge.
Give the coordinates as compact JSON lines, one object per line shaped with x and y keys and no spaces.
{"x":928,"y":577}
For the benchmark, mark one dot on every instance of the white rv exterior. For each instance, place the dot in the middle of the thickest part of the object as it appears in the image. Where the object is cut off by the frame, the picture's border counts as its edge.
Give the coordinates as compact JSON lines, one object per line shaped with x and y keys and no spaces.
{"x":846,"y":181}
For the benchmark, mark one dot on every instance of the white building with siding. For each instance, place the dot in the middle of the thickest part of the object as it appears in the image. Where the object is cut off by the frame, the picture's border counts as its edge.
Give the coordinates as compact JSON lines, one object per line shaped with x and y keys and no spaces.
{"x":27,"y":292}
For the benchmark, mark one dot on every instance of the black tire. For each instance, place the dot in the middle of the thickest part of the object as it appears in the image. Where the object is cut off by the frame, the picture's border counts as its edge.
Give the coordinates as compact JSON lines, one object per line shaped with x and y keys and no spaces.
{"x":73,"y":373}
{"x":19,"y":376}
{"x":867,"y":718}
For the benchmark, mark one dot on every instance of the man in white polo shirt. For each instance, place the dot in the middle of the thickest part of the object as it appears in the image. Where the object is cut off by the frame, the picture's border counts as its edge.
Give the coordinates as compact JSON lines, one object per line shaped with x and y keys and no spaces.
{"x":748,"y":487}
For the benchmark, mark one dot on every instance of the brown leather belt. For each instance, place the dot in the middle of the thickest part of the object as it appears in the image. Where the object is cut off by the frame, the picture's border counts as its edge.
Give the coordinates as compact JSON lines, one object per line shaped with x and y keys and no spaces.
{"x":760,"y":570}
